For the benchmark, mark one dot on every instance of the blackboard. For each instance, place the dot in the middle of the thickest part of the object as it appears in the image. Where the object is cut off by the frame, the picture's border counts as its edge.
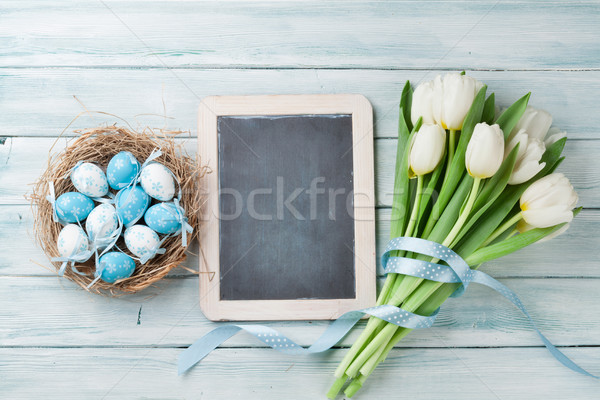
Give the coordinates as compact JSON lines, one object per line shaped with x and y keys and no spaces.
{"x":273,"y":245}
{"x":288,"y":227}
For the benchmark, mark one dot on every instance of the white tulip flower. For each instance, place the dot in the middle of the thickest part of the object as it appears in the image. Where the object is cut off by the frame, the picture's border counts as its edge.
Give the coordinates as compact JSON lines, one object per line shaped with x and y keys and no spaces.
{"x":548,"y":201}
{"x":453,"y":96}
{"x":427,"y":149}
{"x":535,"y":122}
{"x":422,"y":102}
{"x":523,"y":227}
{"x":485,"y":151}
{"x":445,"y":100}
{"x":553,"y":136}
{"x":529,"y":155}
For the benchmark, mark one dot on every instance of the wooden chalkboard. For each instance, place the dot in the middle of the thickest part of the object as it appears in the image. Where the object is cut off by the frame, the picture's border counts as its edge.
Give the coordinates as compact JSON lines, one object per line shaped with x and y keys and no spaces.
{"x":288,"y":227}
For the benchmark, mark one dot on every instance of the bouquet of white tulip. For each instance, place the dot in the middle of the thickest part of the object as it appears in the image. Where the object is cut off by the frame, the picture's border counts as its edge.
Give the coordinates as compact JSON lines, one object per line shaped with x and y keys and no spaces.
{"x":451,"y":143}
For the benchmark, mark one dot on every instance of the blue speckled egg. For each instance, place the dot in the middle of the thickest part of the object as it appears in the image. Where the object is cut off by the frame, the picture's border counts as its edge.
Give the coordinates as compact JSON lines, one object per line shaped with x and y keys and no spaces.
{"x":158,"y":182}
{"x":73,"y":206}
{"x":122,"y":170}
{"x":131,"y":204}
{"x":162,"y":218}
{"x":90,"y":180}
{"x":116,"y":265}
{"x":101,"y":222}
{"x":141,"y":240}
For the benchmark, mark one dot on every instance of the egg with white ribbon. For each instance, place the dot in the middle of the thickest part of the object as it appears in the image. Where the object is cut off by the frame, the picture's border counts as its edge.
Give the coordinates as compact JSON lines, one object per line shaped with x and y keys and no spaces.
{"x":157,"y":180}
{"x":131,"y":204}
{"x":142,"y":241}
{"x":89,"y":179}
{"x":72,"y":207}
{"x":122,"y":170}
{"x":102,"y":223}
{"x":115,"y":265}
{"x":72,"y":241}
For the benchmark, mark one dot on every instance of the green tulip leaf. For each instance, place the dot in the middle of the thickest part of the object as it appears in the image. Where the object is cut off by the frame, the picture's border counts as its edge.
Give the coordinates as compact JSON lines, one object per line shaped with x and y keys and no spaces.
{"x":511,"y":116}
{"x":492,"y":189}
{"x":489,"y":109}
{"x":406,"y":104}
{"x":513,"y":244}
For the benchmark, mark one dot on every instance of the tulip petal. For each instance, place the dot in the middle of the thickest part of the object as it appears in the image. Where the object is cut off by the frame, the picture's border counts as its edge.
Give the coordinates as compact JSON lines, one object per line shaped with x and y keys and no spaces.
{"x":546,"y":217}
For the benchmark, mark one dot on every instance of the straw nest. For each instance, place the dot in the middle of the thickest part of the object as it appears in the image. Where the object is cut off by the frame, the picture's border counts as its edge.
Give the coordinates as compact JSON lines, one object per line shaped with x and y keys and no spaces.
{"x":99,"y":145}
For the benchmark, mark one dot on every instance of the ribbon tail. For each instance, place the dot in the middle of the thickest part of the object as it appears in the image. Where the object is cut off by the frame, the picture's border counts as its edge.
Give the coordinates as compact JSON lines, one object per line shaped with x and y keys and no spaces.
{"x":484,"y":279}
{"x":62,"y":269}
{"x":203,"y":346}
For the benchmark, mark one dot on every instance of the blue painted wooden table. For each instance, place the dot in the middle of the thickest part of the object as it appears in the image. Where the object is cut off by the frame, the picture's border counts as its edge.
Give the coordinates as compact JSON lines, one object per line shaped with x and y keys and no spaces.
{"x":143,"y":60}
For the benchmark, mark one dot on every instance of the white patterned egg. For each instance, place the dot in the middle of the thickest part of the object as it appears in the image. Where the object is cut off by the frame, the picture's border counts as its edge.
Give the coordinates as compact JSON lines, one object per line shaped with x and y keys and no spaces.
{"x":102,"y":222}
{"x":131,"y":204}
{"x":163,"y":218}
{"x":122,"y":170}
{"x":157,"y":181}
{"x":116,"y":265}
{"x":141,"y":240}
{"x":90,"y":180}
{"x":73,"y":206}
{"x":72,"y":240}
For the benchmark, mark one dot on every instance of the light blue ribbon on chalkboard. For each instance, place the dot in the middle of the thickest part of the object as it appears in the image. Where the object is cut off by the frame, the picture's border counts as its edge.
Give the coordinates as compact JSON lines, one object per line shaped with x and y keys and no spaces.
{"x":457,"y":271}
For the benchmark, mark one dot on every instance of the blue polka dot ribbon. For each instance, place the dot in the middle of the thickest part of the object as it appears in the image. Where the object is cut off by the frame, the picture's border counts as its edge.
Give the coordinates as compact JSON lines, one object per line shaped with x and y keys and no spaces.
{"x":456,"y":271}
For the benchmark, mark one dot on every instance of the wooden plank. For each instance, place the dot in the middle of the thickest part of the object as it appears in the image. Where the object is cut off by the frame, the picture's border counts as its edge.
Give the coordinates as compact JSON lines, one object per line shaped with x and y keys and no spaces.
{"x":23,"y":160}
{"x":39,"y":102}
{"x":40,"y":311}
{"x":265,"y":374}
{"x":572,"y":255}
{"x":299,"y":34}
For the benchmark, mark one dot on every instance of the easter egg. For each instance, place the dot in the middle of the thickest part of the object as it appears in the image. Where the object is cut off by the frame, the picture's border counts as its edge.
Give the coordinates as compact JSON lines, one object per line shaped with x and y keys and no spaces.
{"x":116,"y":265}
{"x":162,"y":218}
{"x":90,"y":180}
{"x":122,"y":170}
{"x":141,"y":240}
{"x":73,"y":206}
{"x":131,"y":204}
{"x":102,"y":222}
{"x":72,"y":240}
{"x":157,"y":181}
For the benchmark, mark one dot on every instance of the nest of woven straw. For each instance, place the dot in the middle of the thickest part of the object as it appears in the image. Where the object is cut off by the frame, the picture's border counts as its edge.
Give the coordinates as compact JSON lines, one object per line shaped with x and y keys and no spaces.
{"x":99,"y":145}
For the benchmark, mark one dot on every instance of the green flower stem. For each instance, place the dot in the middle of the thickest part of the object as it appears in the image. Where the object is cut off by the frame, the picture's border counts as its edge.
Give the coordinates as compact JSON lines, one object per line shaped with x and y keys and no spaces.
{"x":502,"y":229}
{"x":464,"y":214}
{"x":390,"y":286}
{"x":428,"y":307}
{"x":353,"y":387}
{"x":336,"y":387}
{"x":411,"y":283}
{"x":415,"y":211}
{"x":382,"y":338}
{"x":407,"y":287}
{"x":372,"y":363}
{"x":451,"y":150}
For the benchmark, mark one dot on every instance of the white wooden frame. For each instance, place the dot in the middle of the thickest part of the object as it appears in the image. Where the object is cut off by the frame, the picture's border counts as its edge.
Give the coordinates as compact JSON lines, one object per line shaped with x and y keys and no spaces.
{"x":364,"y":206}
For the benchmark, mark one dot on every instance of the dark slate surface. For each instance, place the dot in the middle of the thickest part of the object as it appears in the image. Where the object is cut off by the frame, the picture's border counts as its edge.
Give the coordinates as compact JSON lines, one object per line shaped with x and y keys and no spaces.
{"x":278,"y":241}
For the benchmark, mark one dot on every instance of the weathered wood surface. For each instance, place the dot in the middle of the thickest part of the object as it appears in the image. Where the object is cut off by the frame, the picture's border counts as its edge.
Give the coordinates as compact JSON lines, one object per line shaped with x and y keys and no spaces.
{"x":41,"y":311}
{"x":133,"y":58}
{"x":117,"y":373}
{"x":381,"y":35}
{"x":39,"y":102}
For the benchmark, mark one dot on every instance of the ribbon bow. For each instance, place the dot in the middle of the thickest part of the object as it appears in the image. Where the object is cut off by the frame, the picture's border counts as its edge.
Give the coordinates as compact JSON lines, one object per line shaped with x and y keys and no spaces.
{"x":107,"y":243}
{"x":182,"y":219}
{"x":457,"y":271}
